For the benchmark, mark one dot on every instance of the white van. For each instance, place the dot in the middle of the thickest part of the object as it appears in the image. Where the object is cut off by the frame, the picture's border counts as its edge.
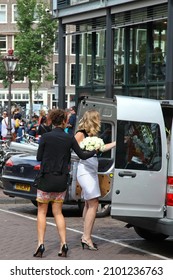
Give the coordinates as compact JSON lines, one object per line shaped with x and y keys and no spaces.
{"x":136,"y":178}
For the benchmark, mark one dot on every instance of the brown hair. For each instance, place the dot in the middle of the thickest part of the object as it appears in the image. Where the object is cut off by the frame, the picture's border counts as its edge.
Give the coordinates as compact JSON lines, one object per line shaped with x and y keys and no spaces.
{"x":90,"y":122}
{"x":57,"y":116}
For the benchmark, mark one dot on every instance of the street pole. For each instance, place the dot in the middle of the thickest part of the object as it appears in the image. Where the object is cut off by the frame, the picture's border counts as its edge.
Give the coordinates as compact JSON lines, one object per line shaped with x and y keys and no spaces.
{"x":9,"y":127}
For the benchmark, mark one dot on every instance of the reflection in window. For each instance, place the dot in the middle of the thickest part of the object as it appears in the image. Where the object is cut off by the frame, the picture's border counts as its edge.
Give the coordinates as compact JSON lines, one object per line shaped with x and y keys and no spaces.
{"x":138,"y":146}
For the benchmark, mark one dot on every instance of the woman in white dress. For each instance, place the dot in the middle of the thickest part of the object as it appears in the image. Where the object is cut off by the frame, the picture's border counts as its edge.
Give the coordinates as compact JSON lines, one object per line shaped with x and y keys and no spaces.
{"x":87,"y":175}
{"x":4,"y":127}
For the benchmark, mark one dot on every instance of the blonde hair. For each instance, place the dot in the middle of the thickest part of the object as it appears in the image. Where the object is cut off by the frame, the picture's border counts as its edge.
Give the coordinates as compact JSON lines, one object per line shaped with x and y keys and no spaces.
{"x":90,"y":122}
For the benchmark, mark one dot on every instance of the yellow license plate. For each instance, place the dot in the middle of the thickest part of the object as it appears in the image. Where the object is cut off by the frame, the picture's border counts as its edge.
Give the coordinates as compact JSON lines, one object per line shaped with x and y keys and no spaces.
{"x":23,"y":187}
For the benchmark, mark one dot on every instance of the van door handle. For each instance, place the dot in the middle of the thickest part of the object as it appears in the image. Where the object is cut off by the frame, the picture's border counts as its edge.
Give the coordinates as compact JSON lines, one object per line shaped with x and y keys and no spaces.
{"x":127,"y":173}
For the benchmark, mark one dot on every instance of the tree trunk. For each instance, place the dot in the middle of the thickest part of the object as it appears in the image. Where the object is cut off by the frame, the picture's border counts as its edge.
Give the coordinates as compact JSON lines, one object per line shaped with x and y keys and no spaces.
{"x":30,"y":100}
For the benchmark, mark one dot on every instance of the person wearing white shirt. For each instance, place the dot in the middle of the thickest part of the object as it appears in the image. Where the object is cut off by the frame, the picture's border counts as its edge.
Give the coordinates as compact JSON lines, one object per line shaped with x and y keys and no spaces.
{"x":4,"y":126}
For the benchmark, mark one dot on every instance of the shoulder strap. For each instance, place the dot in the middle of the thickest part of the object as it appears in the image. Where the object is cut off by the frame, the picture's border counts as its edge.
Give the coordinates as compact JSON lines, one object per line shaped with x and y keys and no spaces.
{"x":82,"y":131}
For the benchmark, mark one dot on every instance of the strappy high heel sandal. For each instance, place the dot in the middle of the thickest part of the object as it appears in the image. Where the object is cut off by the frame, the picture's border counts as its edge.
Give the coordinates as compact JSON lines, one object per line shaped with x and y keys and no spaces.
{"x":64,"y":250}
{"x":89,"y":246}
{"x":40,"y":251}
{"x":94,"y":244}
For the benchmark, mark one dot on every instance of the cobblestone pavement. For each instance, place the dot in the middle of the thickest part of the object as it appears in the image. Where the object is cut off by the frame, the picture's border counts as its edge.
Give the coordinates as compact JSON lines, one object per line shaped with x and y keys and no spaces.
{"x":115,"y":241}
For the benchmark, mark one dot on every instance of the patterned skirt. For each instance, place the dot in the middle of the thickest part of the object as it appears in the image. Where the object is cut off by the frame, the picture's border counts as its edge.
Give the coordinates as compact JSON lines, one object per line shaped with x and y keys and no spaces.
{"x":46,"y":197}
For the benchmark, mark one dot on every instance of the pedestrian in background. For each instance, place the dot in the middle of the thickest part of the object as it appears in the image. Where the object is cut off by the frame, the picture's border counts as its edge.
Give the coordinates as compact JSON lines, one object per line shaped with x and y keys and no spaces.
{"x":4,"y":114}
{"x":17,"y":116}
{"x":43,"y":127}
{"x":54,"y":152}
{"x":72,"y":120}
{"x":4,"y":126}
{"x":42,"y":113}
{"x":32,"y":126}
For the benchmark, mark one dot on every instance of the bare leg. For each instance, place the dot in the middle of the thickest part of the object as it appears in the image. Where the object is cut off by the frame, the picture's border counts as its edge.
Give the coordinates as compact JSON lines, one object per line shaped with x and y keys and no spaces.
{"x":84,"y":213}
{"x":85,"y":210}
{"x":41,"y":222}
{"x":89,"y":219}
{"x":60,"y":221}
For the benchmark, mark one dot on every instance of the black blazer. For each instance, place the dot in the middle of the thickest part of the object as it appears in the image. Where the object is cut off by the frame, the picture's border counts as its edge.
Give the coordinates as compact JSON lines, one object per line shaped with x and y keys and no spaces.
{"x":54,"y":151}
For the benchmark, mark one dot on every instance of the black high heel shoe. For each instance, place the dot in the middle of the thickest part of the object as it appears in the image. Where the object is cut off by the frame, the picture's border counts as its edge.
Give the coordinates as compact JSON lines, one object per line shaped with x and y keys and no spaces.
{"x":63,"y":252}
{"x":94,"y":244}
{"x":89,"y":246}
{"x":40,"y":251}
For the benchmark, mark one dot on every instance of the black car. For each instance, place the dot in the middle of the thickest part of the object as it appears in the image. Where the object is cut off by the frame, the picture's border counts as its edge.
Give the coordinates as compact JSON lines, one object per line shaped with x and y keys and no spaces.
{"x":18,"y":177}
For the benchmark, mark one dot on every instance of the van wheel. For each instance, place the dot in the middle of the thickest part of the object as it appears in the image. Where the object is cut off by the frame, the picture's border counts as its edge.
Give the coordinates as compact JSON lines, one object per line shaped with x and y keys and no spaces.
{"x":150,"y":235}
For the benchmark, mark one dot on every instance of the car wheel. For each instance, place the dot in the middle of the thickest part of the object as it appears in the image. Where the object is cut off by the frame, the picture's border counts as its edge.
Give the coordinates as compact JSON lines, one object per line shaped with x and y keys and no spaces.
{"x":34,"y":202}
{"x":150,"y":235}
{"x":103,"y":210}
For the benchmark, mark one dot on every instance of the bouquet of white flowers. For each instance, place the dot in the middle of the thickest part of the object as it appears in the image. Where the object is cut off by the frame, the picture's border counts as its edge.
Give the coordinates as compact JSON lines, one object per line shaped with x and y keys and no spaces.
{"x":92,"y":143}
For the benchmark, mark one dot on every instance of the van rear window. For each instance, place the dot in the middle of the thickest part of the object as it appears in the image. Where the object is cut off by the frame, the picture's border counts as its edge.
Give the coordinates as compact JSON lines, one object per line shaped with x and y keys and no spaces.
{"x":138,"y":146}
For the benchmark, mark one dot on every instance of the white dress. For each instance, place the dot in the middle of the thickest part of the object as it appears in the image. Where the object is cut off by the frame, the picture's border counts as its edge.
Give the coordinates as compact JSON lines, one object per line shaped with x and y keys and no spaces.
{"x":87,"y":176}
{"x":4,"y":130}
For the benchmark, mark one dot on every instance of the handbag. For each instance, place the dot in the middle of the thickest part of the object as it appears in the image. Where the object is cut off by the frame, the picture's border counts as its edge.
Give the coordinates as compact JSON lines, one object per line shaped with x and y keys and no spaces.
{"x":51,"y":182}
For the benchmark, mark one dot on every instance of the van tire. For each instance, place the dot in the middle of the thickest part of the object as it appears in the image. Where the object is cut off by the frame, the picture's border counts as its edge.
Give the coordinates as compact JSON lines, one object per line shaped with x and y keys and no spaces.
{"x":150,"y":235}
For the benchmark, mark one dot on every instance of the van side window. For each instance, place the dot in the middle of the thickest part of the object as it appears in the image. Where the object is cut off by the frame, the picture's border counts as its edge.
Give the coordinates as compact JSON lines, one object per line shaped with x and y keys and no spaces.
{"x":138,"y":146}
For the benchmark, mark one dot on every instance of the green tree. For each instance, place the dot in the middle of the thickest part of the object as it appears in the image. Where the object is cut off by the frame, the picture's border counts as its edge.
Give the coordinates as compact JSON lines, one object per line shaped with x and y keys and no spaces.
{"x":34,"y":42}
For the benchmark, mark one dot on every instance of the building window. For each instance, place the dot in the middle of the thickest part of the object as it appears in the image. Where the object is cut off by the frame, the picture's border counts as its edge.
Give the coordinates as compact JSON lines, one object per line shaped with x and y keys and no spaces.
{"x":73,"y":44}
{"x":17,"y":96}
{"x":25,"y":96}
{"x":56,"y":65}
{"x":90,"y":44}
{"x":38,"y":96}
{"x":14,"y":13}
{"x":3,"y":13}
{"x":2,"y":96}
{"x":8,"y":96}
{"x":3,"y":43}
{"x":73,"y":74}
{"x":89,"y":73}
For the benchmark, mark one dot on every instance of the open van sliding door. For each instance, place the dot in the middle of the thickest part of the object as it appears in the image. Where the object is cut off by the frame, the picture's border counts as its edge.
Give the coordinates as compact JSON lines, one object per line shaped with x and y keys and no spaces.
{"x":107,"y":109}
{"x":141,"y":159}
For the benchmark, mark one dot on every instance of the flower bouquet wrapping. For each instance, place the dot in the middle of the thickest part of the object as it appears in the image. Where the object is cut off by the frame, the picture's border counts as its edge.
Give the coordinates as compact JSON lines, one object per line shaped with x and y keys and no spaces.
{"x":92,"y":143}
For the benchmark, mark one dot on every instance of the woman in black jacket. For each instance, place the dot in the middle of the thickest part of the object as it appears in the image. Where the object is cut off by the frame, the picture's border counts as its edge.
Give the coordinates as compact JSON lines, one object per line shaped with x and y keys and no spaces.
{"x":54,"y":152}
